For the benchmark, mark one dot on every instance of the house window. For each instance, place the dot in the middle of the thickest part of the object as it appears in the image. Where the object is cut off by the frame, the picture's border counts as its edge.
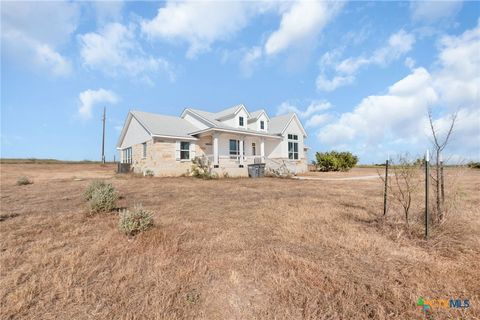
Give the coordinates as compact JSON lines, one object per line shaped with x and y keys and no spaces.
{"x":234,"y":147}
{"x":240,"y":121}
{"x":127,"y":155}
{"x":292,"y":137}
{"x":144,"y":146}
{"x":262,"y":125}
{"x":254,"y":149}
{"x":293,"y":146}
{"x":184,"y":150}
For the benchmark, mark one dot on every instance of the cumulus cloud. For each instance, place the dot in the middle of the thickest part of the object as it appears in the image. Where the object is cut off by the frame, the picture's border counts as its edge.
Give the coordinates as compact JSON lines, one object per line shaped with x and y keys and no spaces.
{"x":115,"y":51}
{"x":314,"y":114}
{"x":325,"y":84}
{"x":318,"y":119}
{"x":185,"y":21}
{"x":303,"y":21}
{"x":199,"y":23}
{"x":394,"y":113}
{"x":90,"y":98}
{"x":313,"y":107}
{"x":29,"y":41}
{"x":399,"y":116}
{"x":398,"y":44}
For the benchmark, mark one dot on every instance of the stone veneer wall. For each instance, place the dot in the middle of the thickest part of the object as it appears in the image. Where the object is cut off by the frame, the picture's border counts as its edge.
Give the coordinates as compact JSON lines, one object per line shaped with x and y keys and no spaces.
{"x":160,"y":158}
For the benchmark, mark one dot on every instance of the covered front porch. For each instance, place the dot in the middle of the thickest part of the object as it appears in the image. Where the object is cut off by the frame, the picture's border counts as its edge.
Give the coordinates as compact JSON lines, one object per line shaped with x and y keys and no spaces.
{"x":232,"y":150}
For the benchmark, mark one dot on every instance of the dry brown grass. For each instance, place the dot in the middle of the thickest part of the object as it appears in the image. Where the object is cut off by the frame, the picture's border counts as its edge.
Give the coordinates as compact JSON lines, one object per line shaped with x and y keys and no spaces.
{"x":227,"y":249}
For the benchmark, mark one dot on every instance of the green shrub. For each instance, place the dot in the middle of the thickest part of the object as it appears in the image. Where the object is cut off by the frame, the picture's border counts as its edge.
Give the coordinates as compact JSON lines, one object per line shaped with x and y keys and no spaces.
{"x":335,"y":161}
{"x":148,"y":173}
{"x":22,"y":181}
{"x":94,"y":185}
{"x":103,"y":198}
{"x":134,"y":221}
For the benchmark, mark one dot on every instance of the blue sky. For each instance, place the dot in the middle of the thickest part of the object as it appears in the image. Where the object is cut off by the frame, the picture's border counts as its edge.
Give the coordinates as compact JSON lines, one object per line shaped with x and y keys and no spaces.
{"x":361,"y":75}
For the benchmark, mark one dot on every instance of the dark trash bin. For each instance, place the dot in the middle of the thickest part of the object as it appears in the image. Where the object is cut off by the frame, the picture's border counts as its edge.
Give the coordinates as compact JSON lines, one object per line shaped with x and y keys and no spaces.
{"x":256,"y":170}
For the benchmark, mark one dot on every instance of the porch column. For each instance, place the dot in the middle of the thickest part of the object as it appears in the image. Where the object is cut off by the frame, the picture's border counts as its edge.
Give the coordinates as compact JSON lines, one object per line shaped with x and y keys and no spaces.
{"x":215,"y":149}
{"x":242,"y":140}
{"x":262,"y":149}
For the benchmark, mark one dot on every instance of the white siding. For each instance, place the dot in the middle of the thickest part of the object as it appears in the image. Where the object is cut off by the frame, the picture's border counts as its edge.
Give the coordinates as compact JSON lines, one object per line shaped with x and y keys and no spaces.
{"x":256,"y":124}
{"x":135,"y":134}
{"x":293,"y":128}
{"x":233,"y":122}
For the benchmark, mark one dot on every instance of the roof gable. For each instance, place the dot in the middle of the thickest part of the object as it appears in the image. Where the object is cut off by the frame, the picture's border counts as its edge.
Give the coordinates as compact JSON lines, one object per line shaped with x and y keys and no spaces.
{"x":279,"y":124}
{"x":230,"y":112}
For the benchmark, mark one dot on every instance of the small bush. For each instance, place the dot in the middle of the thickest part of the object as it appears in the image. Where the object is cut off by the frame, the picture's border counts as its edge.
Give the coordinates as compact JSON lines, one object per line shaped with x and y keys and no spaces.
{"x":22,"y":181}
{"x":202,"y":168}
{"x":335,"y":161}
{"x":103,"y":198}
{"x":148,"y":173}
{"x":94,"y":185}
{"x":134,"y":221}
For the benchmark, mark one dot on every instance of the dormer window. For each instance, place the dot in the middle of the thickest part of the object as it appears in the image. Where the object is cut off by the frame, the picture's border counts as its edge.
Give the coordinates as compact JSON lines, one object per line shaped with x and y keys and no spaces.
{"x":240,"y":121}
{"x":262,"y":125}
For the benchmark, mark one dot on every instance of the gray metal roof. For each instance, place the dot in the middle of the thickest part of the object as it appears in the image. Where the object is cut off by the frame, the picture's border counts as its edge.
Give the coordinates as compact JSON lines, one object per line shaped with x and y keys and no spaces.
{"x":220,"y":125}
{"x":227,"y":112}
{"x":255,"y":114}
{"x":278,"y":123}
{"x":161,"y":125}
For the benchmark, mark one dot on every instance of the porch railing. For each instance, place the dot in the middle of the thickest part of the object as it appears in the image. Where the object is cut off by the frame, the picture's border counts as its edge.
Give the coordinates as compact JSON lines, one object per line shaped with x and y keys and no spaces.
{"x":236,"y":159}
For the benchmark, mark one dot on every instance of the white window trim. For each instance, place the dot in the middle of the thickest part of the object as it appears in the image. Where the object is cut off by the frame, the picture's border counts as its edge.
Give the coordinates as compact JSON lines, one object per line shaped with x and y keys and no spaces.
{"x":183,"y":150}
{"x":293,"y":141}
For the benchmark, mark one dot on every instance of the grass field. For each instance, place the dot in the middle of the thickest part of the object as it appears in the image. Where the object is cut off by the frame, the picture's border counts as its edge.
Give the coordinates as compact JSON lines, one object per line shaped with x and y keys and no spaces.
{"x":229,"y":249}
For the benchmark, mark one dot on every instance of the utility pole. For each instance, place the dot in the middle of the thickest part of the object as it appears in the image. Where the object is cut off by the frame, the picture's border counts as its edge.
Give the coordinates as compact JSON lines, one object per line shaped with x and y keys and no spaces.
{"x":103,"y":136}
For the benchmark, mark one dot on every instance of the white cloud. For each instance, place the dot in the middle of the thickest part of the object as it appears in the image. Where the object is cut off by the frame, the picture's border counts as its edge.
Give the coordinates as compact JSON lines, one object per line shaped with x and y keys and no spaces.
{"x":115,"y":51}
{"x":313,"y":107}
{"x":202,"y":23}
{"x":398,"y":44}
{"x":377,"y":116}
{"x":303,"y":21}
{"x":29,"y":41}
{"x":250,"y":59}
{"x":430,"y":11}
{"x":198,"y":23}
{"x":89,"y":98}
{"x":325,"y":84}
{"x":318,"y":119}
{"x":409,"y":62}
{"x":399,"y":116}
{"x":313,"y":114}
{"x":53,"y":60}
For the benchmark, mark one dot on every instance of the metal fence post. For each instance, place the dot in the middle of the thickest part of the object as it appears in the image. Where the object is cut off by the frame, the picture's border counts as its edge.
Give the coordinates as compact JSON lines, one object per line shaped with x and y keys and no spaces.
{"x":386,"y":189}
{"x":427,"y":164}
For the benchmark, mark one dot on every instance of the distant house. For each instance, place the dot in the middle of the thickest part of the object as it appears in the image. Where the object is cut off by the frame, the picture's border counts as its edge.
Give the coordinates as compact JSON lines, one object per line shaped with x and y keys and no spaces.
{"x":231,"y":139}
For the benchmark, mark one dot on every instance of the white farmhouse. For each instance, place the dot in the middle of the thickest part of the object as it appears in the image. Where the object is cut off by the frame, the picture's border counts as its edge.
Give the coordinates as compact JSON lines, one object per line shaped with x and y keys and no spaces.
{"x":232,"y":139}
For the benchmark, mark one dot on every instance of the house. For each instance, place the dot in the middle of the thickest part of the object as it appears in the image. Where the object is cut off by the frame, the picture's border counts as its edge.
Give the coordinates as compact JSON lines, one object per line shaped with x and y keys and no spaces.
{"x":231,"y":139}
